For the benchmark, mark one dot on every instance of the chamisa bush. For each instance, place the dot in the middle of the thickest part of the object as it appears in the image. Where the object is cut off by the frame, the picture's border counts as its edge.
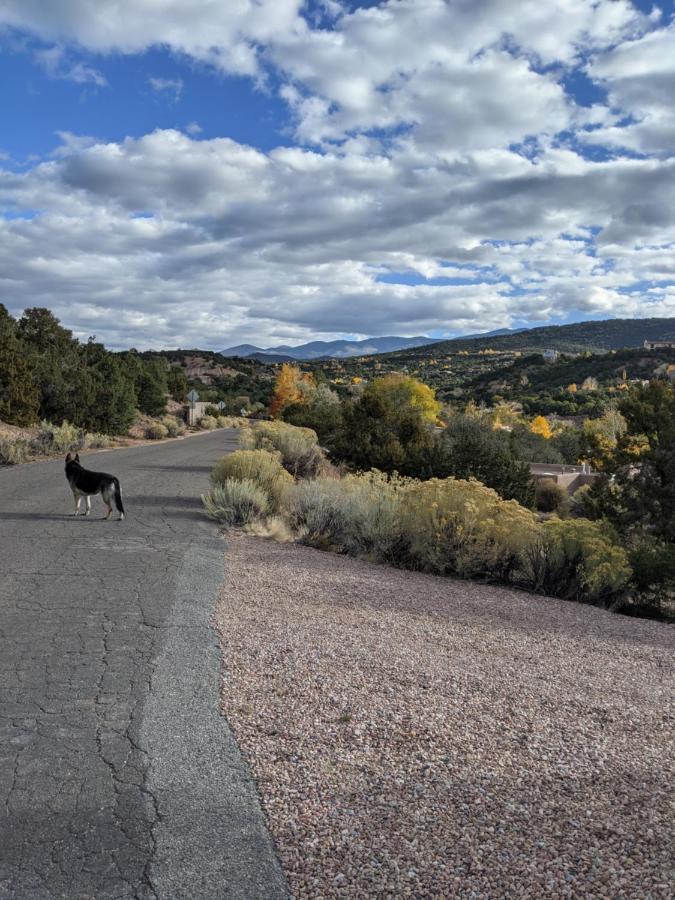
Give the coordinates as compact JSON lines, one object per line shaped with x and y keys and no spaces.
{"x":299,"y":449}
{"x":207,"y":423}
{"x":156,"y":431}
{"x":57,"y":438}
{"x":458,"y":527}
{"x":14,"y":451}
{"x":576,"y":560}
{"x":262,"y":467}
{"x":236,"y":502}
{"x":173,"y":425}
{"x":96,"y":441}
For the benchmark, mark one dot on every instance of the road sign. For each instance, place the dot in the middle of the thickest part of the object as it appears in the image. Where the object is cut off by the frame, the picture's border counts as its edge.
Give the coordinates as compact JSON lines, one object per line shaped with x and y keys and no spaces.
{"x":193,"y":396}
{"x":221,"y":404}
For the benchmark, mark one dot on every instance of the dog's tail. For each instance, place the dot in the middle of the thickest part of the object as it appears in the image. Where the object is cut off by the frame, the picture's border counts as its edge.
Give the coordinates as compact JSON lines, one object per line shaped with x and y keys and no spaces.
{"x":118,"y":497}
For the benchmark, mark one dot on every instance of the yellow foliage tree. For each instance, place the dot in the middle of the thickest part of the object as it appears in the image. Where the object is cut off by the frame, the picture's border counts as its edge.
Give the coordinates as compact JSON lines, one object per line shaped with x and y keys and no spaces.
{"x":291,"y":386}
{"x":408,"y":391}
{"x":572,"y":388}
{"x":540,"y":425}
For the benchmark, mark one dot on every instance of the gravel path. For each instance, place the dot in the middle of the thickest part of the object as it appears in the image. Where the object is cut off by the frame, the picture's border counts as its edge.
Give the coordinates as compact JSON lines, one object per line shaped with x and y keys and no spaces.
{"x":414,"y":736}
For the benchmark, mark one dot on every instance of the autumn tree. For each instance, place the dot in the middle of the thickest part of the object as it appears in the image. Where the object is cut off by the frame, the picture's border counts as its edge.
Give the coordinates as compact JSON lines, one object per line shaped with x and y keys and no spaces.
{"x":291,"y":386}
{"x":389,"y":427}
{"x":406,"y":392}
{"x":541,"y":426}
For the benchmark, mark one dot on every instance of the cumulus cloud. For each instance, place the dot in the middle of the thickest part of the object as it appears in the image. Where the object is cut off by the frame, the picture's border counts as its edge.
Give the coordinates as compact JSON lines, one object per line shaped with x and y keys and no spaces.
{"x":438,"y":179}
{"x":224,"y":34}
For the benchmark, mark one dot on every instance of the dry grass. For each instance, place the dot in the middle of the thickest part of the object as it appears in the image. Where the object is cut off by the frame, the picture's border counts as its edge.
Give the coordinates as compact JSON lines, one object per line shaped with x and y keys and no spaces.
{"x":415,"y":736}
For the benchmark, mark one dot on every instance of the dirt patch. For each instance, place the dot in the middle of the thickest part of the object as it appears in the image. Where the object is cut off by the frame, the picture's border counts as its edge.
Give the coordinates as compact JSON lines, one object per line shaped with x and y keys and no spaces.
{"x":414,"y":736}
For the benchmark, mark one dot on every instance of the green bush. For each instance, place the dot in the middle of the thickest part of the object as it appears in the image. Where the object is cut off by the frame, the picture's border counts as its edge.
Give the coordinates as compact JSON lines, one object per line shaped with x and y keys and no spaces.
{"x":451,"y":526}
{"x":549,"y":496}
{"x":174,"y":426}
{"x":14,"y":451}
{"x":653,"y":565}
{"x":223,"y":421}
{"x":300,"y":452}
{"x":577,"y":560}
{"x":236,"y":502}
{"x":207,"y":423}
{"x":259,"y":466}
{"x":156,"y":431}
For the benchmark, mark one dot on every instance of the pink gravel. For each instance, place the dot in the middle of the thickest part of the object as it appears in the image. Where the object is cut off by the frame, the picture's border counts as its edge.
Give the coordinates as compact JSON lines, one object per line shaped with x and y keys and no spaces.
{"x":415,"y":736}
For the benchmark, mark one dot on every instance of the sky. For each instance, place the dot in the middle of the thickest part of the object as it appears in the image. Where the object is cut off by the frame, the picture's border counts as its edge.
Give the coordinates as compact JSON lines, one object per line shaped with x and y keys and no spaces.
{"x":191,"y":173}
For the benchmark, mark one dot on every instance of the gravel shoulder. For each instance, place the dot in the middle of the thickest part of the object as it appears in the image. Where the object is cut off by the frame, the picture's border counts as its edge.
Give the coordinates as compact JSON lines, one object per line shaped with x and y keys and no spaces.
{"x":420,"y":736}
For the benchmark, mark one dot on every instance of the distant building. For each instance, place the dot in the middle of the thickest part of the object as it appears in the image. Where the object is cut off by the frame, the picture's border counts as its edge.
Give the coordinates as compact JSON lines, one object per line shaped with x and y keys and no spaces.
{"x":571,"y":478}
{"x":659,"y":345}
{"x":550,"y":355}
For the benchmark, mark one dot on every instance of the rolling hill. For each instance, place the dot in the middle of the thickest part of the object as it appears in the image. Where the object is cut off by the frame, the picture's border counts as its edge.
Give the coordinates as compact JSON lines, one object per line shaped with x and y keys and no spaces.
{"x":608,"y":334}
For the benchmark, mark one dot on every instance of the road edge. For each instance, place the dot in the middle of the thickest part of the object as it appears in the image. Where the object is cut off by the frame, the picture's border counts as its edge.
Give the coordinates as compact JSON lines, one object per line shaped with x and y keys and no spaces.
{"x":211,"y":837}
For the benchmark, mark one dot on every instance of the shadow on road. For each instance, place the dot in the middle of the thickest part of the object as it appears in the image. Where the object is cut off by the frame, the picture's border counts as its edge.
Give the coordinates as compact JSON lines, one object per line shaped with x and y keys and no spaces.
{"x":178,"y":468}
{"x":160,"y":500}
{"x":68,"y":517}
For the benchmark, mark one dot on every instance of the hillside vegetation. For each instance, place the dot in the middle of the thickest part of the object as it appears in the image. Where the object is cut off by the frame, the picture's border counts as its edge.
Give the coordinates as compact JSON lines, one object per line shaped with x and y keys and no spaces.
{"x":609,"y":334}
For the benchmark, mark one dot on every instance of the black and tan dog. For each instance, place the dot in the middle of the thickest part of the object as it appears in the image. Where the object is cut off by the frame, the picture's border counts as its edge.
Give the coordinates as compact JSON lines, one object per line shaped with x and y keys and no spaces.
{"x":84,"y":483}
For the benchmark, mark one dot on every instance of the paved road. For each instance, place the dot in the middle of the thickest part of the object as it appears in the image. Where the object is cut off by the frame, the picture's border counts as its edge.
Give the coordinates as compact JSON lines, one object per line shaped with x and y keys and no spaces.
{"x":118,"y":776}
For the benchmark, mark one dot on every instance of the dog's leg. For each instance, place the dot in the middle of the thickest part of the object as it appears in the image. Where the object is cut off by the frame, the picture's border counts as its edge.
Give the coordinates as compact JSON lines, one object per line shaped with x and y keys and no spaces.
{"x":88,"y":502}
{"x":105,"y":496}
{"x":77,"y":499}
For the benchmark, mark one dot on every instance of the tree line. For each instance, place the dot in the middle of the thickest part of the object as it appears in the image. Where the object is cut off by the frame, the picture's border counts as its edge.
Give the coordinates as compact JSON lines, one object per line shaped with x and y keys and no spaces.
{"x":46,"y":373}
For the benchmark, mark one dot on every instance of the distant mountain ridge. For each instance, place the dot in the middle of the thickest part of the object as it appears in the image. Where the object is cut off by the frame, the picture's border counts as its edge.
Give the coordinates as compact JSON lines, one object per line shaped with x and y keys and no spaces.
{"x":340,"y":349}
{"x":603,"y":335}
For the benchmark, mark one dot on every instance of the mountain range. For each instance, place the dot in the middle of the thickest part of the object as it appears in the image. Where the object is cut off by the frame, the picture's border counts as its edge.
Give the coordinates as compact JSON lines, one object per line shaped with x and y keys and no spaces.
{"x":596,"y":336}
{"x":321,"y":349}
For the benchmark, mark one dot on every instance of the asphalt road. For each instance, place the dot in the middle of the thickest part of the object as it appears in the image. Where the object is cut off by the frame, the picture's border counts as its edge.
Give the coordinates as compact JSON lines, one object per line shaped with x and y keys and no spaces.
{"x":118,"y":776}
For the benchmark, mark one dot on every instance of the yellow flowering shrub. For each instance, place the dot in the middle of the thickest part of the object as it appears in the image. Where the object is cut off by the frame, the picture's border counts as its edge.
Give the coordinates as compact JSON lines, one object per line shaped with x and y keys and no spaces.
{"x":461,"y":527}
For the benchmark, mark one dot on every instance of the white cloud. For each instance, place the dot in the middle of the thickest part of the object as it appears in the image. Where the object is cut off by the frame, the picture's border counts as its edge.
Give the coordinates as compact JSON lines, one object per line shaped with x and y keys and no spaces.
{"x":233,"y":243}
{"x":56,"y":63}
{"x":413,"y":110}
{"x":640,"y":78}
{"x":170,"y":86}
{"x":225,"y":34}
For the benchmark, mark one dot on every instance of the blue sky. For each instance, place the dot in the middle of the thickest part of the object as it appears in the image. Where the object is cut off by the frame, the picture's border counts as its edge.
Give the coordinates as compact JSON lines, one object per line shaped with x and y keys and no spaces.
{"x":274,"y":171}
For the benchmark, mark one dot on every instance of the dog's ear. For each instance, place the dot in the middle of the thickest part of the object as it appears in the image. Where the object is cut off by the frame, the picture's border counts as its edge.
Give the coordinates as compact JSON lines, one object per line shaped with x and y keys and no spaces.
{"x":68,"y":458}
{"x":77,"y":457}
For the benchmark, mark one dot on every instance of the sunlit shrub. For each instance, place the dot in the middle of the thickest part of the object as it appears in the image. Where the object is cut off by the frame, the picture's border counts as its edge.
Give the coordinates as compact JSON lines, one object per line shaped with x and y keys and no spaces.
{"x":451,"y":526}
{"x":156,"y":431}
{"x":577,"y":560}
{"x":14,"y":451}
{"x":300,"y":452}
{"x":260,"y":466}
{"x":57,"y":438}
{"x":96,"y":441}
{"x":236,"y":502}
{"x":358,"y":514}
{"x":207,"y":423}
{"x":174,"y":426}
